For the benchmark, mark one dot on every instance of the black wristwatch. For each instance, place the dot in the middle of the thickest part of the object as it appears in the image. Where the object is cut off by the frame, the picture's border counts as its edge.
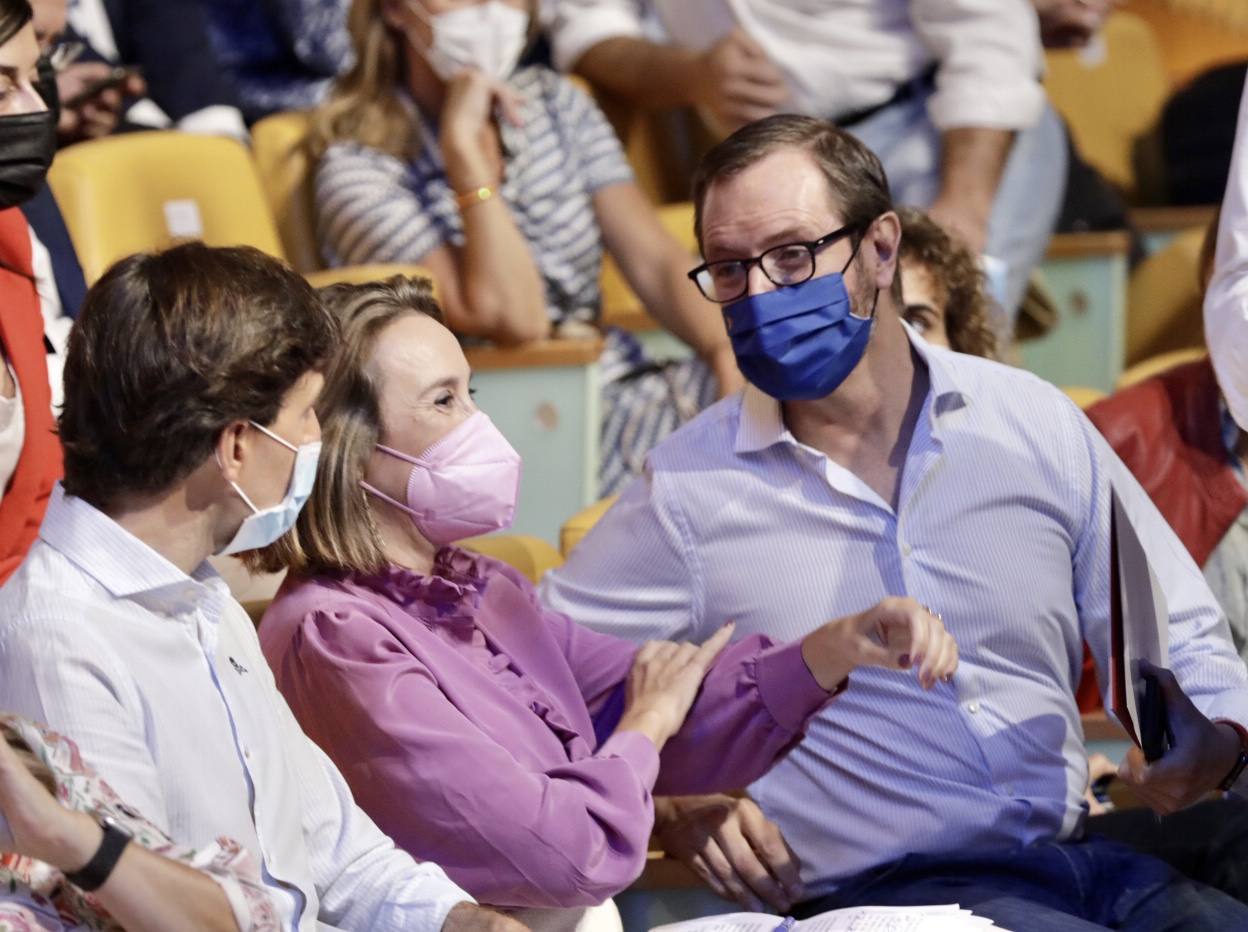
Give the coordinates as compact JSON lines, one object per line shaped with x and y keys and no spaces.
{"x":92,"y":876}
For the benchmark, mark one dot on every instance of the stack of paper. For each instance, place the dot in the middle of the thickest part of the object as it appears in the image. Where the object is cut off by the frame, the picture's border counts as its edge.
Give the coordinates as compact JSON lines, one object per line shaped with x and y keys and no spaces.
{"x":949,"y":918}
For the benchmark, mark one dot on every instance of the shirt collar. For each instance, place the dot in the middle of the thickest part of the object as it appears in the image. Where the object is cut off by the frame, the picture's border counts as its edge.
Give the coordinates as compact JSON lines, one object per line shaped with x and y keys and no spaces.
{"x":120,"y":562}
{"x":762,"y":424}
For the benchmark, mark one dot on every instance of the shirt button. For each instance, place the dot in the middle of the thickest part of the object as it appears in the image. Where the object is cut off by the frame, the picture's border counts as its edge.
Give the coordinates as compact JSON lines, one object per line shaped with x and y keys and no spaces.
{"x":906,"y":550}
{"x":972,"y":707}
{"x":247,"y":753}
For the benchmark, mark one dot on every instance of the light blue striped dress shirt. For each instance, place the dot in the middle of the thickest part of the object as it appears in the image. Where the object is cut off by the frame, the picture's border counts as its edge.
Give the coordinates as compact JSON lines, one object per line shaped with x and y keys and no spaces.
{"x":1002,"y":525}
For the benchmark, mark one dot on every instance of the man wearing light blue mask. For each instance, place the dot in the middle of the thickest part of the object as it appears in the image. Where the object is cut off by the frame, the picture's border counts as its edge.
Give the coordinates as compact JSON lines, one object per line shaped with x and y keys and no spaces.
{"x":862,"y":463}
{"x":189,"y":430}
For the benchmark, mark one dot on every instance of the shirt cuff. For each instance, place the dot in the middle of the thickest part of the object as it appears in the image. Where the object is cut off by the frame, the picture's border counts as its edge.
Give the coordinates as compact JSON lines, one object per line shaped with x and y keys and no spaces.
{"x":788,"y":688}
{"x":574,"y":35}
{"x":1004,"y":106}
{"x":637,"y":750}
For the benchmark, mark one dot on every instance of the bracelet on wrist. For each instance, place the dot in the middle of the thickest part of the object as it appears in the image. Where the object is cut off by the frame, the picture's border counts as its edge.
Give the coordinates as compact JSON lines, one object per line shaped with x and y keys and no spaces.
{"x":96,"y":871}
{"x":479,"y":195}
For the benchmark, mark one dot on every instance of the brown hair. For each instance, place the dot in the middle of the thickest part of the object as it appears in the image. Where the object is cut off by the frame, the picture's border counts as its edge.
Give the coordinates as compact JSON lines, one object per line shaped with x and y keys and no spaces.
{"x":364,"y":105}
{"x":335,"y":531}
{"x":171,"y":348}
{"x":14,"y":15}
{"x":956,"y":272}
{"x":855,"y":177}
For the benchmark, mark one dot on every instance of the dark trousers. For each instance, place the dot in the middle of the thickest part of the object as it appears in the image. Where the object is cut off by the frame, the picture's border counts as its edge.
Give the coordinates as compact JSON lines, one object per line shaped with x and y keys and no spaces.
{"x":1207,"y":842}
{"x":1049,"y":887}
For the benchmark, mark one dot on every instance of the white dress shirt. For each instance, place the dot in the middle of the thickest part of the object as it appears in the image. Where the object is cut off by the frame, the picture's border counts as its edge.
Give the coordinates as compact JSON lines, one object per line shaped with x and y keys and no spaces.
{"x":159,"y":678}
{"x":842,"y":56}
{"x":1002,"y":526}
{"x":1226,"y":301}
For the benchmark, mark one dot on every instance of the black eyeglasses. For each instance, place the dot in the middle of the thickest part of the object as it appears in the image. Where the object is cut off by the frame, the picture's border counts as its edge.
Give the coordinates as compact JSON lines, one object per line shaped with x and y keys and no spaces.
{"x":788,"y":264}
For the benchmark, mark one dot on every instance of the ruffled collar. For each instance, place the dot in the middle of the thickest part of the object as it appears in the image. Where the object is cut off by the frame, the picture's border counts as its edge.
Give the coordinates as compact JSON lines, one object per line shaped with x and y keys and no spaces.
{"x":450,"y":594}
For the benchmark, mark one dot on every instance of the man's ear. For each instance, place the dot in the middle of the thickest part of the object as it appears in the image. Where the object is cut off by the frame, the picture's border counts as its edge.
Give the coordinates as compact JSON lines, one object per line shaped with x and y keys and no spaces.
{"x":231,"y":450}
{"x":884,"y":243}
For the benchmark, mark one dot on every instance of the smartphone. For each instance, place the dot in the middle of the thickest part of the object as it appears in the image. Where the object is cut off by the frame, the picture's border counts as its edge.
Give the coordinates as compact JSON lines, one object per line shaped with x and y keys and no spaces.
{"x":1156,"y":736}
{"x":117,"y":76}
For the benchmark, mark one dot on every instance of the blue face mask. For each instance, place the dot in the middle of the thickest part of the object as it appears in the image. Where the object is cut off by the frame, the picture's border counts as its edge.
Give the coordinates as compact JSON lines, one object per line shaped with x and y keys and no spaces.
{"x":265,"y":525}
{"x":799,"y":342}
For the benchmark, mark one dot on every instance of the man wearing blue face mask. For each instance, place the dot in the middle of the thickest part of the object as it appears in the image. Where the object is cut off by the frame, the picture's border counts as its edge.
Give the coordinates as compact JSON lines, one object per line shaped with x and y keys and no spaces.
{"x":862,"y":463}
{"x":189,"y":430}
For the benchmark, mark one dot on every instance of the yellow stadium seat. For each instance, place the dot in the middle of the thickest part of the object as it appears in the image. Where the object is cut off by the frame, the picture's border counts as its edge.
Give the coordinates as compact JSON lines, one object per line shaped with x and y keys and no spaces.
{"x":1083,"y":396}
{"x":576,"y":527}
{"x":1112,"y":104}
{"x":620,"y":305}
{"x":279,"y":143}
{"x":137,"y":192}
{"x":532,"y":556}
{"x":1164,"y":300}
{"x":1157,"y":365}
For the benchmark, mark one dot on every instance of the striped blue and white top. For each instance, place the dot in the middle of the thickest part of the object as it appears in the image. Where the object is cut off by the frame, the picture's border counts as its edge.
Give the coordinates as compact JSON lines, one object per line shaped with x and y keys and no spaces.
{"x":373,"y":207}
{"x":1002,"y":526}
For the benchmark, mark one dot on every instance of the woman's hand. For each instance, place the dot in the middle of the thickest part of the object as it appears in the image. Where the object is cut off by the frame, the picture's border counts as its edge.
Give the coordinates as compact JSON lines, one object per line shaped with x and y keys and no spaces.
{"x":897,"y":634}
{"x":664,"y":682}
{"x":467,"y":119}
{"x":40,"y":826}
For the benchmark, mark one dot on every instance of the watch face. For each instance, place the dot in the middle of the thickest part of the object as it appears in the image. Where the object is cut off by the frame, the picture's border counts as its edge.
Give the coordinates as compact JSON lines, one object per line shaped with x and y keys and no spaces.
{"x":109,"y":823}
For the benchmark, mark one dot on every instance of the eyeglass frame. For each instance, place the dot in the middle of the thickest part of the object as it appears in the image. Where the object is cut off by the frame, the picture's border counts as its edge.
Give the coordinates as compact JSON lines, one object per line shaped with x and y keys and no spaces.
{"x":812,"y":248}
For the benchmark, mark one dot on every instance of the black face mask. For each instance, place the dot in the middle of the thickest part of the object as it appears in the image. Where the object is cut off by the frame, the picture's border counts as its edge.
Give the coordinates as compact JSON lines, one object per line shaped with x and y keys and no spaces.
{"x":28,"y":143}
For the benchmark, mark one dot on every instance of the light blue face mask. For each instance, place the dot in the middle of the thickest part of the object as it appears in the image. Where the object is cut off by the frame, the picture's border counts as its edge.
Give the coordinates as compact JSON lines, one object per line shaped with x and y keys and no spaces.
{"x":263,"y":526}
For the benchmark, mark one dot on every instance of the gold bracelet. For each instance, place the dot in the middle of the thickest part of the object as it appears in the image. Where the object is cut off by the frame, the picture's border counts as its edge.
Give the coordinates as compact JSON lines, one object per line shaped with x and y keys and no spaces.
{"x":475,"y":196}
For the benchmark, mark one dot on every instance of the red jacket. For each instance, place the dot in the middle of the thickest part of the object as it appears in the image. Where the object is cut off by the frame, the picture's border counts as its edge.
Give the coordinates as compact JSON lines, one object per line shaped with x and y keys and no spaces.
{"x":21,"y":333}
{"x":1168,"y":432}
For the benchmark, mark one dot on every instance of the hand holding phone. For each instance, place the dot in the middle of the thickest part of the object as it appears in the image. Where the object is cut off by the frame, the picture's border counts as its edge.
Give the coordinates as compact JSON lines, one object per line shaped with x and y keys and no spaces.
{"x":116,"y":77}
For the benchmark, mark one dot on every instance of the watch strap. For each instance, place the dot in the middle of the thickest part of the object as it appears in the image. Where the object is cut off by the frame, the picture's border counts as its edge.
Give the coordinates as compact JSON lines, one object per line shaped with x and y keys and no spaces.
{"x":97,"y":870}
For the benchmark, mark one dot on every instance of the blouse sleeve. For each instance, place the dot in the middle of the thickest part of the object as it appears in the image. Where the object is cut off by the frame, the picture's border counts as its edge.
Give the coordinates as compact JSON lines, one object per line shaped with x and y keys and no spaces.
{"x":445,"y":791}
{"x":753,"y":708}
{"x":366,"y":211}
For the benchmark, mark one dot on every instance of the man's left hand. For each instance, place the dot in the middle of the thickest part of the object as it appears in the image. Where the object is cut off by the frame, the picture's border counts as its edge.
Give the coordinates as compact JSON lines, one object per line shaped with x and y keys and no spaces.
{"x":1200,"y":758}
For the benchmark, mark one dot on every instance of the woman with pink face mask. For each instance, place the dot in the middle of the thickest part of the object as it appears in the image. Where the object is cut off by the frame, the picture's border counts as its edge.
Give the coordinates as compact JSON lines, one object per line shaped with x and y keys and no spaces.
{"x":516,"y":748}
{"x":509,"y":185}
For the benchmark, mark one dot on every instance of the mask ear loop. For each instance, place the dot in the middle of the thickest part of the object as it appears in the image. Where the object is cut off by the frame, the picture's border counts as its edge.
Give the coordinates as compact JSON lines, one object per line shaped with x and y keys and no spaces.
{"x":875,"y":302}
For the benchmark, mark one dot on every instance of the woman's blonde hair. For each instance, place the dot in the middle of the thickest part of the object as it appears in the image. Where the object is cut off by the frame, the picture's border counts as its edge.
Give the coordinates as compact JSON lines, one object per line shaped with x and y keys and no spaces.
{"x":364,"y":105}
{"x":335,"y":531}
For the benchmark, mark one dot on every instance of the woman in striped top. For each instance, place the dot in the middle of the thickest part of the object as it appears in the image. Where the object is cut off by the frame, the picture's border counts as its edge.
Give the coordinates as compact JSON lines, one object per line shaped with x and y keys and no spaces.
{"x":507,"y":185}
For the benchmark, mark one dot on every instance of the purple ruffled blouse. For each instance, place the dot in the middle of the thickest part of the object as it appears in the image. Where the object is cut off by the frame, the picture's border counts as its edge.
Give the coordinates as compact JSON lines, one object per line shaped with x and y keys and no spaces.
{"x":478,"y":728}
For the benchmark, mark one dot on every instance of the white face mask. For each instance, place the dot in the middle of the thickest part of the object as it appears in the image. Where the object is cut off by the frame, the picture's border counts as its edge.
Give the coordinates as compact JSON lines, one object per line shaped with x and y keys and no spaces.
{"x":263,"y":526}
{"x":487,"y":37}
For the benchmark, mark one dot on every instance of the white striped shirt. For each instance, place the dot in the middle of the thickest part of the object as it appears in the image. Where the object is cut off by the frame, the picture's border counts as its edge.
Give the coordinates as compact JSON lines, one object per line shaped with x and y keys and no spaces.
{"x":159,"y":678}
{"x":373,"y":207}
{"x":1002,"y":526}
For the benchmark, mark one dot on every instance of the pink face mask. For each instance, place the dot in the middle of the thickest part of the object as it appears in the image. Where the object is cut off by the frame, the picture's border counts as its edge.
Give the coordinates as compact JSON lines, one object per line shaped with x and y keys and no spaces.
{"x":464,"y":485}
